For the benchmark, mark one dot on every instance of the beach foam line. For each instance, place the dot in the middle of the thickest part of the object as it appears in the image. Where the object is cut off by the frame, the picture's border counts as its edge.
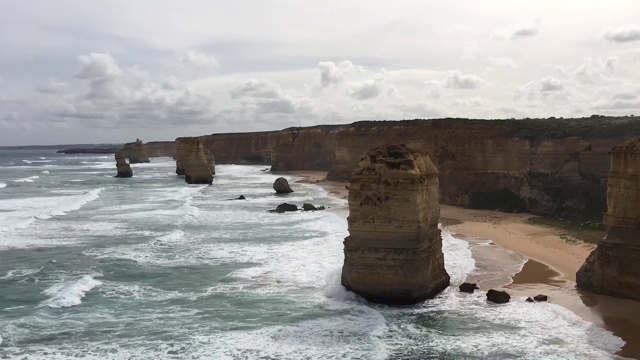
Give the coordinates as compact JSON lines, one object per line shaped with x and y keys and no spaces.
{"x":69,"y":293}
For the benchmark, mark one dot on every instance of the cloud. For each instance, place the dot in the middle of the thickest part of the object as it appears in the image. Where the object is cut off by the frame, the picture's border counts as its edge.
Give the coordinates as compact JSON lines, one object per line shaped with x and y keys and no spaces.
{"x":501,"y":62}
{"x":332,"y":73}
{"x":97,"y":65}
{"x":519,"y":31}
{"x":472,"y":101}
{"x":259,"y":88}
{"x":53,"y":87}
{"x":550,"y":84}
{"x":198,"y":63}
{"x":458,"y":80}
{"x":364,"y":90}
{"x":545,"y":88}
{"x":622,"y":34}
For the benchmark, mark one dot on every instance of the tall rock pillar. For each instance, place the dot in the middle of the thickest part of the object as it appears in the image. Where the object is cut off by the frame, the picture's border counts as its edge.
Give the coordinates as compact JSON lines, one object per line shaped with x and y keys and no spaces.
{"x":394,"y":252}
{"x":613,"y":268}
{"x":124,"y":170}
{"x":196,"y":169}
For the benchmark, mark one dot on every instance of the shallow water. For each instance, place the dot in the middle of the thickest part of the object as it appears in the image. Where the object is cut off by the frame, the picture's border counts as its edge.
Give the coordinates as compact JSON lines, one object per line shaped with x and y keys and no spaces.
{"x":149,"y":267}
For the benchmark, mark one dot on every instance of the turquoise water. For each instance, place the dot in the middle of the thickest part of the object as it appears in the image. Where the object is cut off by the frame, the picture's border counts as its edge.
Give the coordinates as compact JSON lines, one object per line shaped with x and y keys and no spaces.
{"x":96,"y":267}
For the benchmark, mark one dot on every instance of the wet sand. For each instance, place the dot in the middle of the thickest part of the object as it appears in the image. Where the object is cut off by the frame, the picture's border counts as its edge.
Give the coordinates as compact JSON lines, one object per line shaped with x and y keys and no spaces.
{"x":552,"y":260}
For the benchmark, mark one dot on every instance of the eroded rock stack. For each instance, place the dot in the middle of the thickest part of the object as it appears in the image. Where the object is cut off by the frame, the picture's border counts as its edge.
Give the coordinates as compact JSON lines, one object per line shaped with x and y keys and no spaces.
{"x":211,"y":161}
{"x":281,"y":186}
{"x":613,"y":268}
{"x":394,"y":252}
{"x":182,"y":154}
{"x":196,"y":169}
{"x":124,"y":170}
{"x":138,"y":153}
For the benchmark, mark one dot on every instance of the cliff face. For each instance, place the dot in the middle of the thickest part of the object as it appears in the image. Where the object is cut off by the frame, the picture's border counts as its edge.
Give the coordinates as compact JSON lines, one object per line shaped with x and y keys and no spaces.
{"x":613,"y":268}
{"x":394,"y":251}
{"x":304,"y":149}
{"x":154,"y":149}
{"x":546,"y":167}
{"x":240,"y":148}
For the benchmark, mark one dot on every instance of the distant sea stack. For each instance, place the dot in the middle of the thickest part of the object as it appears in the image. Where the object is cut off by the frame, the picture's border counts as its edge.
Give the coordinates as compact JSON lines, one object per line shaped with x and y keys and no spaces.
{"x":394,"y":252}
{"x":182,"y":154}
{"x":138,"y":153}
{"x":196,"y":169}
{"x":613,"y":268}
{"x":124,"y":170}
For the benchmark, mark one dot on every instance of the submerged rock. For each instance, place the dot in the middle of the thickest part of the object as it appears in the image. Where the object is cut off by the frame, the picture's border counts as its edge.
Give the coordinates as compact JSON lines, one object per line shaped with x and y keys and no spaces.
{"x":284,"y":208}
{"x":310,"y":207}
{"x":468,"y":287}
{"x":241,"y":197}
{"x":498,"y":297}
{"x":124,"y":170}
{"x":613,"y":267}
{"x":138,"y":153}
{"x":529,"y":299}
{"x":281,"y":186}
{"x":394,"y":252}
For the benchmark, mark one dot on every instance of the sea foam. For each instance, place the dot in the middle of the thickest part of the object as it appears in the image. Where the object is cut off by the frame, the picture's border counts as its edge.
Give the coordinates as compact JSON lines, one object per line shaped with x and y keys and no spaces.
{"x":69,"y":293}
{"x":29,"y":179}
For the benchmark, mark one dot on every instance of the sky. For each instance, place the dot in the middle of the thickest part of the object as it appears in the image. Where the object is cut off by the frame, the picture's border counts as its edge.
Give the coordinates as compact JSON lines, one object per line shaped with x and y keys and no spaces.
{"x":77,"y":71}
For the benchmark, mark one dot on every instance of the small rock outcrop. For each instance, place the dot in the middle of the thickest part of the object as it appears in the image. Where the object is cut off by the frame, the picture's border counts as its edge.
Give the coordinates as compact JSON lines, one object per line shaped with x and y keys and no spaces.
{"x":394,"y":252}
{"x":529,"y":299}
{"x":124,"y":170}
{"x":311,"y":207}
{"x":138,"y":153}
{"x":284,"y":208}
{"x":281,"y":186}
{"x":498,"y":297}
{"x":196,"y":170}
{"x":541,"y":298}
{"x":468,"y":287}
{"x":241,"y":197}
{"x":613,"y":268}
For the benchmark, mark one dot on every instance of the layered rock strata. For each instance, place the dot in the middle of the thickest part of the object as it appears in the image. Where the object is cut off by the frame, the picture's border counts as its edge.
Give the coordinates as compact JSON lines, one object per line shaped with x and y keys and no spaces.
{"x":196,"y":169}
{"x":138,"y":153}
{"x":613,"y":268}
{"x":182,"y":153}
{"x":124,"y":169}
{"x":393,"y":254}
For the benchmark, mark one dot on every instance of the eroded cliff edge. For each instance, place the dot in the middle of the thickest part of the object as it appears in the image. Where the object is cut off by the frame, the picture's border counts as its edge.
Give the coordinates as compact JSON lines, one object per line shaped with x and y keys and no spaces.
{"x":613,"y":268}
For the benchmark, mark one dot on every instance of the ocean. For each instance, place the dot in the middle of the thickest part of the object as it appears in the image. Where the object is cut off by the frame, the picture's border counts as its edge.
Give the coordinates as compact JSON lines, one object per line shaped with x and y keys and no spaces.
{"x":96,"y":267}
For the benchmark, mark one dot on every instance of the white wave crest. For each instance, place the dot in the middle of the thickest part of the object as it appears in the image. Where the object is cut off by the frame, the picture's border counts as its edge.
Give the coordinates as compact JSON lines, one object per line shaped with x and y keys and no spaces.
{"x":29,"y":179}
{"x":45,"y":171}
{"x":20,"y":213}
{"x":69,"y":293}
{"x":2,"y":185}
{"x":20,"y":272}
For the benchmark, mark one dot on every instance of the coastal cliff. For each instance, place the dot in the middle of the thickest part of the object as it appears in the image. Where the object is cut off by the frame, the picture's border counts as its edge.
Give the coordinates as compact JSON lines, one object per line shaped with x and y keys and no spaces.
{"x":393,"y":253}
{"x":613,"y":268}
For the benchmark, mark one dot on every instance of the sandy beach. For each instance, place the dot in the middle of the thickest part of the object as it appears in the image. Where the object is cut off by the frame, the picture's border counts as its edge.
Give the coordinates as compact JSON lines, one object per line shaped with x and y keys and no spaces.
{"x":553,"y":256}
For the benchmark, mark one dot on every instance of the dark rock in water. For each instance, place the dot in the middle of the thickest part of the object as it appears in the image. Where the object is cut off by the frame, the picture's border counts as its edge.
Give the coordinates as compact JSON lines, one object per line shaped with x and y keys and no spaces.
{"x":241,"y":197}
{"x":541,"y":298}
{"x":311,"y":207}
{"x":529,"y":299}
{"x":498,"y":297}
{"x":468,"y":287}
{"x":124,"y":170}
{"x":285,"y":207}
{"x":281,"y":186}
{"x":265,"y":170}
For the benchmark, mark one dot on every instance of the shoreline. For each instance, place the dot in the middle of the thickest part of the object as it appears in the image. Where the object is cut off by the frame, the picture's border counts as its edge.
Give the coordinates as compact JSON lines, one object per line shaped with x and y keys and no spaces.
{"x":552,"y":259}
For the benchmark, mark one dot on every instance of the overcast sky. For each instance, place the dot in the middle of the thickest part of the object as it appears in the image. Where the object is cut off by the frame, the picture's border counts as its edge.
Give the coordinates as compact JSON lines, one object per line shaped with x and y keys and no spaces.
{"x":110,"y":71}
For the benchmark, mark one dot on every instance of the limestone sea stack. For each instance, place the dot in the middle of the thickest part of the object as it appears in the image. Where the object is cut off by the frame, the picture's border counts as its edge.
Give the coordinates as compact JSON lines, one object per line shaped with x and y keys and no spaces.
{"x":613,"y":268}
{"x":196,"y":170}
{"x":138,"y":153}
{"x":124,"y":170}
{"x":394,"y":252}
{"x":211,"y":161}
{"x":182,"y":153}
